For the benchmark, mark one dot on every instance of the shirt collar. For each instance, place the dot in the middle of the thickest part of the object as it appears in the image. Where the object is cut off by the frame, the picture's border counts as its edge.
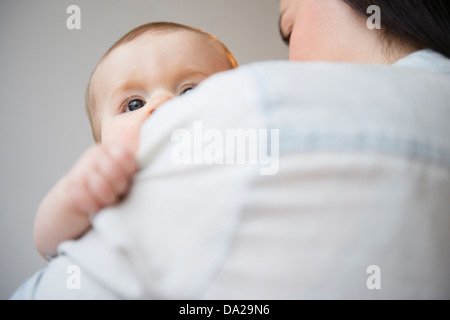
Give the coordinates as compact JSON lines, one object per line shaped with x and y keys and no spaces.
{"x":425,"y":59}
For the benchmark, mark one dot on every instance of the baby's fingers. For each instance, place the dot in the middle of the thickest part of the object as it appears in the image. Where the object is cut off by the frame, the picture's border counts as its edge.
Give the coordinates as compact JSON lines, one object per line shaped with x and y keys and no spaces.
{"x":124,"y":158}
{"x":116,"y":166}
{"x":79,"y":194}
{"x":101,"y":190}
{"x":100,"y":177}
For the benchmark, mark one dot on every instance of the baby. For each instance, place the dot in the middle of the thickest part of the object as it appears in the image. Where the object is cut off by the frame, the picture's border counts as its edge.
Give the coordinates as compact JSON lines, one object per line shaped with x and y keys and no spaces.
{"x":148,"y":66}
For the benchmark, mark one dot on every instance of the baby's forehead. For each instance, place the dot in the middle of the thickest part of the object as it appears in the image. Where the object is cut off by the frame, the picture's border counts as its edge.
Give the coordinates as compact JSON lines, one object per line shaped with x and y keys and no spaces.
{"x":176,"y":39}
{"x":186,"y":43}
{"x":175,"y":47}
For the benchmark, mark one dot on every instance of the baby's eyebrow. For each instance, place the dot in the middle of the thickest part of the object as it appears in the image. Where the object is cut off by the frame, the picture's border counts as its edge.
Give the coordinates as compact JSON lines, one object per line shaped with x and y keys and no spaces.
{"x":191,"y":71}
{"x":118,"y":91}
{"x":136,"y":84}
{"x":129,"y":83}
{"x":124,"y":87}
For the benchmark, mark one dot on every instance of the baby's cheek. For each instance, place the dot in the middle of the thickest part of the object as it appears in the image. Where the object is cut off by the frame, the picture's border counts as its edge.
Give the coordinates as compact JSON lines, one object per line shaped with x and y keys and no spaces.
{"x":124,"y":133}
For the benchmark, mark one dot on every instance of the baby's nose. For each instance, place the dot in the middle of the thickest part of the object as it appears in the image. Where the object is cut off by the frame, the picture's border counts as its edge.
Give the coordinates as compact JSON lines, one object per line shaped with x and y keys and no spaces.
{"x":157,"y":99}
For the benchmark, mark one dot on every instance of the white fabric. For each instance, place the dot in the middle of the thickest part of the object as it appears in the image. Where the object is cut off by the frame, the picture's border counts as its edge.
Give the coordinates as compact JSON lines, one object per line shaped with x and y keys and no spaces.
{"x":363,"y":179}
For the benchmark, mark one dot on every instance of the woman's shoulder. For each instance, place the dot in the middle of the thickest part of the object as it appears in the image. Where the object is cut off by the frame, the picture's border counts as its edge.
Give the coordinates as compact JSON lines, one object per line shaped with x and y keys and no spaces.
{"x":426,"y":59}
{"x":420,"y":61}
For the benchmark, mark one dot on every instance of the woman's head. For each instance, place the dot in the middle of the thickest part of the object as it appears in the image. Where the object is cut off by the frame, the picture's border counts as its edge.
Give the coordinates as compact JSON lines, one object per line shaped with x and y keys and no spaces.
{"x":421,"y":23}
{"x":336,"y":30}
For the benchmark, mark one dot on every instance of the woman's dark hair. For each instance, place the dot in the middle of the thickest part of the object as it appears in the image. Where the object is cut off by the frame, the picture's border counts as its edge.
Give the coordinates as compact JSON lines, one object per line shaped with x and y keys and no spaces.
{"x":422,"y":23}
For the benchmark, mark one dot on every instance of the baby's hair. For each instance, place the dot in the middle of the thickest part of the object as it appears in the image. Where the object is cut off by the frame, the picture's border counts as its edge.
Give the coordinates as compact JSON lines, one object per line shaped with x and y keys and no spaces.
{"x":135,"y":33}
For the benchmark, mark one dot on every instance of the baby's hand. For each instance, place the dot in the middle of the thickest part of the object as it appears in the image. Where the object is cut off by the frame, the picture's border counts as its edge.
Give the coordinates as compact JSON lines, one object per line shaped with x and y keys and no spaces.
{"x":100,"y":178}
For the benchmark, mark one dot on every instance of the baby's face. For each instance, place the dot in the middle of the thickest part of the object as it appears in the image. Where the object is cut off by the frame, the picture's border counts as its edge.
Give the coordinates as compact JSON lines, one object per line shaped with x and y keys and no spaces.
{"x":137,"y":77}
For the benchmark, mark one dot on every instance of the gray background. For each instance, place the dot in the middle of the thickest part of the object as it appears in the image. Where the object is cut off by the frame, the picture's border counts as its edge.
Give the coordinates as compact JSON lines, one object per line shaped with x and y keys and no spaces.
{"x":44,"y":69}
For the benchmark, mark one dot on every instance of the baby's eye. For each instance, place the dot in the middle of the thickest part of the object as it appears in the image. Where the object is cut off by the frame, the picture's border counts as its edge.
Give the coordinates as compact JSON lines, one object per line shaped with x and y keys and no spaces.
{"x":134,"y":105}
{"x":188,"y":89}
